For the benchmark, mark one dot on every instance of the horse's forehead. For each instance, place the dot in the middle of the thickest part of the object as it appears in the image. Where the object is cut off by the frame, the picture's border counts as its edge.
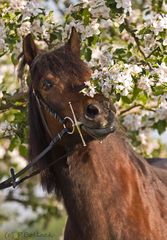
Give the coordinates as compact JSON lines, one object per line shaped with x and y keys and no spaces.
{"x":55,"y":65}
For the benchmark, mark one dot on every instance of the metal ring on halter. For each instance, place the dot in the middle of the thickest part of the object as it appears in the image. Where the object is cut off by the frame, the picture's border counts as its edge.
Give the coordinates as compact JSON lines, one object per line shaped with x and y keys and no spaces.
{"x":72,"y":124}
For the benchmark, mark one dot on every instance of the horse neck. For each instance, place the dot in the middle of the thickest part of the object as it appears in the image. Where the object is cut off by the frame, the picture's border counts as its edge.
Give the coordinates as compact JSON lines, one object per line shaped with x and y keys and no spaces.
{"x":106,"y":188}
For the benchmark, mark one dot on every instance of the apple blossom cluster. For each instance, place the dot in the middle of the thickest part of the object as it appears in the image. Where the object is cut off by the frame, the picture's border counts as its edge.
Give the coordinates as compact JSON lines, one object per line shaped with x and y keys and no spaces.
{"x":149,"y":142}
{"x":110,"y":72}
{"x":116,"y":78}
{"x":157,"y":23}
{"x":125,"y":4}
{"x":147,"y":117}
{"x":19,"y":18}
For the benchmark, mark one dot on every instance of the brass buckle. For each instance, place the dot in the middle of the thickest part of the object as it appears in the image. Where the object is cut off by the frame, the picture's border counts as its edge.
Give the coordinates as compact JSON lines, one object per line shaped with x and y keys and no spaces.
{"x":72,"y":125}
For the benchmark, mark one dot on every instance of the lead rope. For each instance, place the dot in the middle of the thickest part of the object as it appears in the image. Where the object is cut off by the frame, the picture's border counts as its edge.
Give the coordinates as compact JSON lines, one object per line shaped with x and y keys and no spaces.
{"x":12,"y":181}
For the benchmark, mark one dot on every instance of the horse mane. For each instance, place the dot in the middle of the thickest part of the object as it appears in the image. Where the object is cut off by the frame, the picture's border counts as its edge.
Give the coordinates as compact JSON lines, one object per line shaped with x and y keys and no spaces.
{"x":37,"y":143}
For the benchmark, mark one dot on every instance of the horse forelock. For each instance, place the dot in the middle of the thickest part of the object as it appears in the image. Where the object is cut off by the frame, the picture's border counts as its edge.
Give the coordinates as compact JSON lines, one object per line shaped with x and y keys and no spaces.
{"x":61,"y":63}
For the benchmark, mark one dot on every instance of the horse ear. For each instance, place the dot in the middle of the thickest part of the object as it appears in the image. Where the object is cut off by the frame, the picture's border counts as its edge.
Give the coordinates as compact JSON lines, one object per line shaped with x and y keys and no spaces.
{"x":74,"y":42}
{"x":29,"y":49}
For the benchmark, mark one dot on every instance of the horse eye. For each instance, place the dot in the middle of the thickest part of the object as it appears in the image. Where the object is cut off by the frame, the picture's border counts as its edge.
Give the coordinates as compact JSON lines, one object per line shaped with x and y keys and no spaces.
{"x":47,"y":84}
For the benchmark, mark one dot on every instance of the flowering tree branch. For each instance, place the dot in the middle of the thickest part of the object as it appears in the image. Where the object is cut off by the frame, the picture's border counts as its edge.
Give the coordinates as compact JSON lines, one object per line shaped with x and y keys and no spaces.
{"x":7,"y":106}
{"x":10,"y":101}
{"x":136,"y":106}
{"x":132,"y":33}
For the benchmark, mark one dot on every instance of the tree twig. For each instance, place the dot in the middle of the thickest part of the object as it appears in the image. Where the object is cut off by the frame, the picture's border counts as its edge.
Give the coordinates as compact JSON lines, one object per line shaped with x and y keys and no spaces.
{"x":5,"y":107}
{"x":135,"y":106}
{"x":132,"y":33}
{"x":10,"y":101}
{"x":18,"y":96}
{"x":154,"y":50}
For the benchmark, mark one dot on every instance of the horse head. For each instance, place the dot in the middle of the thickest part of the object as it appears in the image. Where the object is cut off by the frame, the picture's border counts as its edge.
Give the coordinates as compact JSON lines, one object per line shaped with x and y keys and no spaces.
{"x":58,"y":77}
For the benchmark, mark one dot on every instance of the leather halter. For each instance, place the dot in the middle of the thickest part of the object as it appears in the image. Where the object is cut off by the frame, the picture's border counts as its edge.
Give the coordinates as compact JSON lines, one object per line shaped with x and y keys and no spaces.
{"x":61,"y":120}
{"x":13,"y":180}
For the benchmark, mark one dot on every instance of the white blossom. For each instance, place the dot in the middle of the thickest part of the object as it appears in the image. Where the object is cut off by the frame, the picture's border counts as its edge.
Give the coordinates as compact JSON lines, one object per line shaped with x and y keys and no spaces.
{"x":161,"y":113}
{"x":101,"y":56}
{"x":18,"y":48}
{"x":36,"y":26}
{"x":90,"y":89}
{"x":1,"y":94}
{"x":32,"y":8}
{"x":125,"y":4}
{"x":149,"y":143}
{"x":17,"y":5}
{"x":106,"y":23}
{"x":17,"y":159}
{"x":158,"y":22}
{"x":98,"y":8}
{"x":24,"y":29}
{"x":2,"y":45}
{"x":91,"y":29}
{"x":132,"y":122}
{"x":124,"y":83}
{"x":164,"y":6}
{"x":161,"y":71}
{"x":133,"y":69}
{"x":2,"y":36}
{"x":150,"y":42}
{"x":145,"y":84}
{"x":165,"y":42}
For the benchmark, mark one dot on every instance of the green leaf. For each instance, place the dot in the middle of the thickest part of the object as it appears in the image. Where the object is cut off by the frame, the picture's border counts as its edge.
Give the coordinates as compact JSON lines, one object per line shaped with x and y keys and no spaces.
{"x":122,"y":27}
{"x":119,"y":51}
{"x":159,"y":90}
{"x":86,"y":16}
{"x":125,"y":99}
{"x":15,"y":142}
{"x":142,"y":97}
{"x":160,"y":126}
{"x":23,"y":150}
{"x":14,"y":59}
{"x":136,"y":92}
{"x":88,"y":54}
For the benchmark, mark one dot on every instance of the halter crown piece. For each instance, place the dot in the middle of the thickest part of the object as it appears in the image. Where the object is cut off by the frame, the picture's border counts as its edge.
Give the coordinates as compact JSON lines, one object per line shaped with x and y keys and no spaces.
{"x":12,"y":181}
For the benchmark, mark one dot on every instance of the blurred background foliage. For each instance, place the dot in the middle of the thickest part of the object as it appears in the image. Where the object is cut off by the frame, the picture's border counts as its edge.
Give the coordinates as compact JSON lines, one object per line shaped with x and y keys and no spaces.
{"x":113,"y":42}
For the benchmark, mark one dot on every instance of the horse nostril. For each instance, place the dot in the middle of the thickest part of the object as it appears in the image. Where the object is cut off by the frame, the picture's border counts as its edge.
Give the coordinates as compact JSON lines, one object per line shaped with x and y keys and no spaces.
{"x":92,"y":111}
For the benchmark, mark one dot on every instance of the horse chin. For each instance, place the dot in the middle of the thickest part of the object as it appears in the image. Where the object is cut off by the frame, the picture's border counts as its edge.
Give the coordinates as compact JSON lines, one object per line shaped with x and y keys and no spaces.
{"x":99,"y":132}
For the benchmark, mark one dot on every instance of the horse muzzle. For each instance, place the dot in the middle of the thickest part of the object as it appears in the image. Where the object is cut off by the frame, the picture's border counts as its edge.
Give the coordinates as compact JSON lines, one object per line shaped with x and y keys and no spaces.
{"x":98,"y":123}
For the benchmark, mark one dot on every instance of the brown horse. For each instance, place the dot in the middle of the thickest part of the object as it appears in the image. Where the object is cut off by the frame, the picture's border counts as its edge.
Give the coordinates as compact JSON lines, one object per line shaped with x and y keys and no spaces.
{"x":108,"y":190}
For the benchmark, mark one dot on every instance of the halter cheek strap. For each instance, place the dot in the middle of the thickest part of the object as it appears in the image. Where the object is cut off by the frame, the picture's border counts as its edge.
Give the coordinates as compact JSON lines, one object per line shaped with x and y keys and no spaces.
{"x":61,"y":120}
{"x":41,"y":114}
